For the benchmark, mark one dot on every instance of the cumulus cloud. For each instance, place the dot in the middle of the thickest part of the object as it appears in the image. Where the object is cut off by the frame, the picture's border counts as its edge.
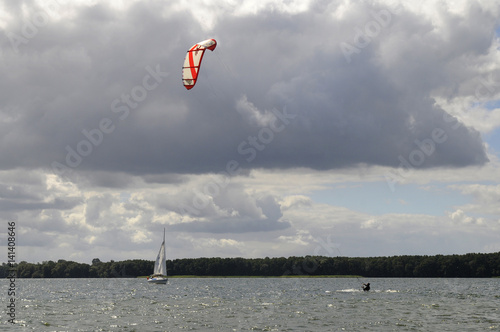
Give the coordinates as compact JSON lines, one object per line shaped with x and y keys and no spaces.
{"x":302,"y":238}
{"x":102,"y":147}
{"x":485,"y":197}
{"x":252,"y":114}
{"x":372,"y":224}
{"x":460,"y":217}
{"x":290,"y":202}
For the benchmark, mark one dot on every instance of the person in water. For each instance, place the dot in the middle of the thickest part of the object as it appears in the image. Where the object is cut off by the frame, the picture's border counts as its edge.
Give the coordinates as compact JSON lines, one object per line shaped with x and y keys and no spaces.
{"x":366,"y":287}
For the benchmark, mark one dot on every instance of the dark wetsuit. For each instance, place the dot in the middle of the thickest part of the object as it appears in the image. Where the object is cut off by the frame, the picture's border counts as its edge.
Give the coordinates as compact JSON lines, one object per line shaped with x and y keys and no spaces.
{"x":366,"y":287}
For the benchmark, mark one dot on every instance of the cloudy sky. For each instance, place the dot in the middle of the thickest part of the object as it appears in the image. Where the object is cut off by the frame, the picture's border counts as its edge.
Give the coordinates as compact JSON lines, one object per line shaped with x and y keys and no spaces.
{"x":353,"y":128}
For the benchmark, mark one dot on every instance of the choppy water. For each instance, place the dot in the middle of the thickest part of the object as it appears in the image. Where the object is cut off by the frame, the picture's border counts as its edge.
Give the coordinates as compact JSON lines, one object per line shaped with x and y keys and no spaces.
{"x":263,"y":304}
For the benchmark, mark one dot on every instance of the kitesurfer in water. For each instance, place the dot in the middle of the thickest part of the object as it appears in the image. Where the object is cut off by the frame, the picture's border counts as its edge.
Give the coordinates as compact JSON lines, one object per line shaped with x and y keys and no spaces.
{"x":366,"y":287}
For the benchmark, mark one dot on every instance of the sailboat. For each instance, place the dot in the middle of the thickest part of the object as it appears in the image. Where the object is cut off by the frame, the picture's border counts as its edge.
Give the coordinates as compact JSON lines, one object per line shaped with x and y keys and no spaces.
{"x":159,"y":275}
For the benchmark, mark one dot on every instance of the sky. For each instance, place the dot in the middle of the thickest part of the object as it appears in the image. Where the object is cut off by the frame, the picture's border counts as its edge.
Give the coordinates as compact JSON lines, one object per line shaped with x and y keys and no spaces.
{"x":334,"y":128}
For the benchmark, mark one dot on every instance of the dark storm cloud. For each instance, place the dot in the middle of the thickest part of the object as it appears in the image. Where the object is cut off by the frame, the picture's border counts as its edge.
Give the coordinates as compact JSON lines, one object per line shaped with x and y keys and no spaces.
{"x":102,"y":91}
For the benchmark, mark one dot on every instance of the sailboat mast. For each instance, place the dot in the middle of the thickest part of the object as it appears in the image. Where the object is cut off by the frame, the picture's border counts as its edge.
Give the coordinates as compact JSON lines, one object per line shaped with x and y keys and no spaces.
{"x":164,"y":263}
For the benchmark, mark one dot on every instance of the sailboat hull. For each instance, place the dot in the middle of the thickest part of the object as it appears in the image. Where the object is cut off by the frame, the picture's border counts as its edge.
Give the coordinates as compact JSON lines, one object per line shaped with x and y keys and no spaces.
{"x":157,"y":280}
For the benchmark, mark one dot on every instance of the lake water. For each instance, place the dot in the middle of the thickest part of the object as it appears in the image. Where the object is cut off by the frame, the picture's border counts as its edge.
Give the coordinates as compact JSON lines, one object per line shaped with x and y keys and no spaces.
{"x":261,"y":304}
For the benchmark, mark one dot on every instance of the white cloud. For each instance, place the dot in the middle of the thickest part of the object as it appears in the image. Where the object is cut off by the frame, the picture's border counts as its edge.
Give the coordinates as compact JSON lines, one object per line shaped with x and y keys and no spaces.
{"x":141,"y":237}
{"x":301,"y":238}
{"x":372,"y":224}
{"x":252,"y":114}
{"x":485,"y":198}
{"x":460,"y":217}
{"x":224,"y":243}
{"x":290,"y":202}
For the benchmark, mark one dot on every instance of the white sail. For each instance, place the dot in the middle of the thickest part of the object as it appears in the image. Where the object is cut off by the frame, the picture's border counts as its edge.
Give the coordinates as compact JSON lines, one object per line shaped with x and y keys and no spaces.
{"x":159,"y":275}
{"x":161,"y":263}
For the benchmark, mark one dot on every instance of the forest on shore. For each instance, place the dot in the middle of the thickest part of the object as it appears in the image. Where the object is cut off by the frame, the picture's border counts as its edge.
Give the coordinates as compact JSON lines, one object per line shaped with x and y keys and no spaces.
{"x":473,"y":265}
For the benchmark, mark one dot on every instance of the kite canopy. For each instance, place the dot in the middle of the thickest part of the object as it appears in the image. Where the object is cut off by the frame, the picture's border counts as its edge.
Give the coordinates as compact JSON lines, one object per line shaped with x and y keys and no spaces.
{"x":192,"y":61}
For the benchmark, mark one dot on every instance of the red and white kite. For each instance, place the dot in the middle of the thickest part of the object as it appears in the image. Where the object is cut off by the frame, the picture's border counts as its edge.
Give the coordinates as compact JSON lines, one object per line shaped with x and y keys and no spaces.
{"x":192,"y":62}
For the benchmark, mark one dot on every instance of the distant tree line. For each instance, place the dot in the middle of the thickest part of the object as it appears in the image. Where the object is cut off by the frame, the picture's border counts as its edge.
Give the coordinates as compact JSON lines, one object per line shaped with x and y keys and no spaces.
{"x":446,"y":266}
